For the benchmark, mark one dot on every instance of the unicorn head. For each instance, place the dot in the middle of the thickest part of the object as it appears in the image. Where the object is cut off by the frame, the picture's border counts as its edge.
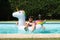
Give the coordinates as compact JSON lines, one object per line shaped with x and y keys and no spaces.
{"x":19,"y":14}
{"x":21,"y":17}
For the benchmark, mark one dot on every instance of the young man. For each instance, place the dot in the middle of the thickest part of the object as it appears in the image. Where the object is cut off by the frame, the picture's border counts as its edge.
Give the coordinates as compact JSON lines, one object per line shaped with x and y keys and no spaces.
{"x":30,"y":23}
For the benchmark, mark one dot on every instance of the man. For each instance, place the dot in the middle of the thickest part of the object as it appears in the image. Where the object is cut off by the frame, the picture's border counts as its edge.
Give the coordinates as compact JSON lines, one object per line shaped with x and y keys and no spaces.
{"x":30,"y":23}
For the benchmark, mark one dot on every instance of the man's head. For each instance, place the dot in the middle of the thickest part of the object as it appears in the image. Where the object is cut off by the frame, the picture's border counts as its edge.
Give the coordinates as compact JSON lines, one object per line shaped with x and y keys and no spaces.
{"x":31,"y":18}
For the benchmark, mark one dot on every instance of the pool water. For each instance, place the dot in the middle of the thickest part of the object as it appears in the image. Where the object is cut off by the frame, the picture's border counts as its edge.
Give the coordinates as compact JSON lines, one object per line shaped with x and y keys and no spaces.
{"x":8,"y":28}
{"x":11,"y":28}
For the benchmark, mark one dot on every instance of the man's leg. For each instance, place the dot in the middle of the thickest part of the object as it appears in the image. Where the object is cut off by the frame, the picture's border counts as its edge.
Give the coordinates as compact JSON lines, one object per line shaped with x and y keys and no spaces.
{"x":26,"y":27}
{"x":42,"y":26}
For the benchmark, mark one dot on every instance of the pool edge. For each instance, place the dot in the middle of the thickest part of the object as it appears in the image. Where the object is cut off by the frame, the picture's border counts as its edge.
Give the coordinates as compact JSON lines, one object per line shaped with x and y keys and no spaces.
{"x":29,"y":35}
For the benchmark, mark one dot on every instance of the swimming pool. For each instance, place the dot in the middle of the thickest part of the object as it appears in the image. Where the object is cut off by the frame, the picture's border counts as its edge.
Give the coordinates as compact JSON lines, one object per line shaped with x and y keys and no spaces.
{"x":11,"y":28}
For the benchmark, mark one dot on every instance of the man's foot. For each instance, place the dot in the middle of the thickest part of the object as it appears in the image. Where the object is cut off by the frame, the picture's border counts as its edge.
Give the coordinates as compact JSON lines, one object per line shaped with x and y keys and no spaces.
{"x":26,"y":28}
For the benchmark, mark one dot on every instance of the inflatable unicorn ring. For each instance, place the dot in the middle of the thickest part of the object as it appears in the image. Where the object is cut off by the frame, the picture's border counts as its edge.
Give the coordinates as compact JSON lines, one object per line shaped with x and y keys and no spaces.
{"x":21,"y":20}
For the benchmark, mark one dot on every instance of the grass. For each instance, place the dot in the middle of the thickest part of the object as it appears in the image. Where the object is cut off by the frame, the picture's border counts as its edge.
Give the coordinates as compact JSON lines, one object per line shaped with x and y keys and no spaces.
{"x":29,"y":38}
{"x":53,"y":20}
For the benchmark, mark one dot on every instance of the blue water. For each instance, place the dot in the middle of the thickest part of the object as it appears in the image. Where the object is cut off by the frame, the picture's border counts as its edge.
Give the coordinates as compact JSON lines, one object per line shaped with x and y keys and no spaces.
{"x":11,"y":28}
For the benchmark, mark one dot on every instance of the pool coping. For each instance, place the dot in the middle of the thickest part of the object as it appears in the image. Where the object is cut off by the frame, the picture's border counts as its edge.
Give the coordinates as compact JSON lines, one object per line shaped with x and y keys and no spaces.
{"x":14,"y":22}
{"x":29,"y":35}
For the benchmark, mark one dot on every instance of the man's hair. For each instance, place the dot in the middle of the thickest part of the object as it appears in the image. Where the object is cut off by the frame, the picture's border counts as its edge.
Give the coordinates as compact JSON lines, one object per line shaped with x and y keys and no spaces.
{"x":30,"y":16}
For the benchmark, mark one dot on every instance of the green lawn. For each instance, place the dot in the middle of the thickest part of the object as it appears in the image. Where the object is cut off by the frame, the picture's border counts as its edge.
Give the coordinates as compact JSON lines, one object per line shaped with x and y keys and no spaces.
{"x":29,"y":38}
{"x":52,"y":20}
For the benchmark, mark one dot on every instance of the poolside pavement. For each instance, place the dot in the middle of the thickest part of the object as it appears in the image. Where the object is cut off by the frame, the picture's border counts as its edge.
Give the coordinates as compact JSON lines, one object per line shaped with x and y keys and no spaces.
{"x":29,"y":35}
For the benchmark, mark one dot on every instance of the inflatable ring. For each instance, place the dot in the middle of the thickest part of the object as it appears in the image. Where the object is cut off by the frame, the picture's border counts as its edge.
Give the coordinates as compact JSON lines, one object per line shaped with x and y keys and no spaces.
{"x":40,"y":21}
